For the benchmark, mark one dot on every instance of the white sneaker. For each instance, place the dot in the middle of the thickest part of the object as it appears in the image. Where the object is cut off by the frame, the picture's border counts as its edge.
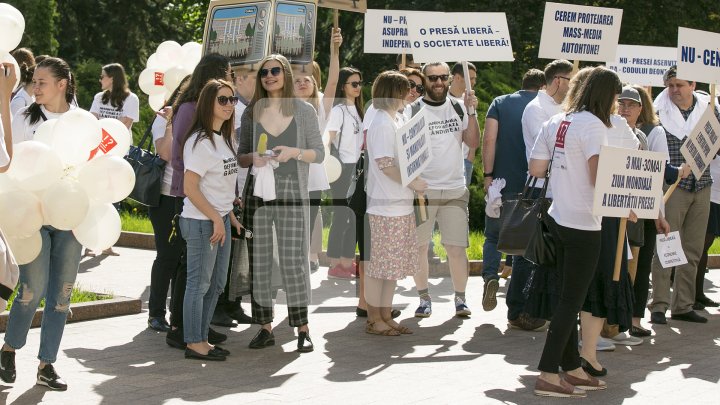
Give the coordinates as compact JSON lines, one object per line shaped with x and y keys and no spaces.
{"x":623,"y":338}
{"x":603,"y":345}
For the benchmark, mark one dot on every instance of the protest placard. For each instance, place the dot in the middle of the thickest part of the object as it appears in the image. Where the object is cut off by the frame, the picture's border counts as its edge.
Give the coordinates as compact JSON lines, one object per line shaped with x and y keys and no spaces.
{"x":459,"y":37}
{"x":698,"y":56}
{"x":580,"y":32}
{"x":702,"y":143}
{"x":643,"y":65}
{"x":357,"y":6}
{"x":627,"y":180}
{"x":386,"y":31}
{"x":294,"y":31}
{"x":413,"y":143}
{"x":239,"y":30}
{"x":669,"y":250}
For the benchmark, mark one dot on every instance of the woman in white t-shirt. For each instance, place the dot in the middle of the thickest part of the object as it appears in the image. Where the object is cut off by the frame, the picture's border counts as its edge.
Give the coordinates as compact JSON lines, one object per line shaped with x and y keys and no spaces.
{"x":572,"y":141}
{"x":55,"y":269}
{"x":116,"y":100}
{"x":6,"y":87}
{"x":344,"y":130}
{"x":209,"y":183}
{"x":22,"y":97}
{"x":389,"y":208}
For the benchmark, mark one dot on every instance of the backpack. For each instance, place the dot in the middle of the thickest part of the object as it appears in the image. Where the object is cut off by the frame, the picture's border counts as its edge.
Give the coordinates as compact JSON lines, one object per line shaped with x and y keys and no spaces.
{"x":417,"y":105}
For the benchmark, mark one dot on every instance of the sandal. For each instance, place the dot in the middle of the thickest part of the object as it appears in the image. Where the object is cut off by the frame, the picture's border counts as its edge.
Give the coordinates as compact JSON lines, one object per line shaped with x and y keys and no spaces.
{"x":403,"y":329}
{"x":370,"y":328}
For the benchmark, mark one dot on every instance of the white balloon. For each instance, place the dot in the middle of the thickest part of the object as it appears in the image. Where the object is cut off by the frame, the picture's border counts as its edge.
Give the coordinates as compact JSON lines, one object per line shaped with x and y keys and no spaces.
{"x":44,"y":132}
{"x":27,"y":249}
{"x":12,"y":32}
{"x":192,"y":53}
{"x":169,"y":52}
{"x":76,"y":134}
{"x":7,"y":9}
{"x":34,"y":166}
{"x":100,"y":229}
{"x":116,"y":137}
{"x":333,"y":168}
{"x":65,"y":204}
{"x":174,"y":76}
{"x":107,"y":179}
{"x":5,"y":57}
{"x":157,"y":101}
{"x":6,"y":183}
{"x":21,"y":213}
{"x":152,"y":81}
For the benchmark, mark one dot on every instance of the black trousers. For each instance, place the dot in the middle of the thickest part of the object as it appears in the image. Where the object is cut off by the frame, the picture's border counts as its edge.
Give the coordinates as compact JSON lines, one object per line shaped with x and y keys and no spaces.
{"x":178,"y":295}
{"x":341,"y":241}
{"x":315,"y":202}
{"x":641,"y":286}
{"x":577,"y":256}
{"x":167,"y":260}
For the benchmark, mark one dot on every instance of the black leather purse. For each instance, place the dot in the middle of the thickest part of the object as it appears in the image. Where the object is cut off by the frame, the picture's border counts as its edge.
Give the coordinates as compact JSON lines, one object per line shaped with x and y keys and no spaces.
{"x":149,"y":169}
{"x":357,"y":191}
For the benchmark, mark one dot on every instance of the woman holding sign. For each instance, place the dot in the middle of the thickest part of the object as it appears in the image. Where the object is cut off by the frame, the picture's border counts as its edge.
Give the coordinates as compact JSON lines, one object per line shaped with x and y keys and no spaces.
{"x":577,"y":136}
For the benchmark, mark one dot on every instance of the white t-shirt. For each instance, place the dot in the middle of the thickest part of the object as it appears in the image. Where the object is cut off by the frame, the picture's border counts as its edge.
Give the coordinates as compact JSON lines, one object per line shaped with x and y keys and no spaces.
{"x":130,"y":108}
{"x":217,"y":167}
{"x":386,"y":197}
{"x":4,"y":157}
{"x":446,"y":170}
{"x":158,"y":131}
{"x":715,"y":174}
{"x":346,"y":117}
{"x":576,"y":138}
{"x":22,"y":130}
{"x":369,"y":116}
{"x":21,"y":99}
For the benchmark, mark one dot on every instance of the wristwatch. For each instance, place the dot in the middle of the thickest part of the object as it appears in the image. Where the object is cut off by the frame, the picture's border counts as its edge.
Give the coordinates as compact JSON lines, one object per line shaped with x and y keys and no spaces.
{"x":299,"y":155}
{"x":489,"y":174}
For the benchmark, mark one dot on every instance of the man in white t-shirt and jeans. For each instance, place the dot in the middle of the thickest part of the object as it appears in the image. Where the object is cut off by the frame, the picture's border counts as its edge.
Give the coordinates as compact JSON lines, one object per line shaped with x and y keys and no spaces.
{"x":446,"y":194}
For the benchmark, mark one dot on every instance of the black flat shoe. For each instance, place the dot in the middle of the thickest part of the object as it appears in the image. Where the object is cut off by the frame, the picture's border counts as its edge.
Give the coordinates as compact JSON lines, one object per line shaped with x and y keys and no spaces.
{"x":211,"y":356}
{"x":158,"y":324}
{"x":362,"y":313}
{"x":305,"y":345}
{"x":240,"y":316}
{"x":639,"y":332}
{"x":263,"y":338}
{"x":222,"y":318}
{"x":592,"y":370}
{"x":708,"y":302}
{"x":220,"y":351}
{"x":215,"y":338}
{"x":658,"y":318}
{"x":691,"y":316}
{"x":176,"y":339}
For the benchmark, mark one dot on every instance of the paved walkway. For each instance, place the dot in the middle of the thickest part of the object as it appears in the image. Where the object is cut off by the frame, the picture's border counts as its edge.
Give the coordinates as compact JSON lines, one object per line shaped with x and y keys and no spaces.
{"x":447,"y":360}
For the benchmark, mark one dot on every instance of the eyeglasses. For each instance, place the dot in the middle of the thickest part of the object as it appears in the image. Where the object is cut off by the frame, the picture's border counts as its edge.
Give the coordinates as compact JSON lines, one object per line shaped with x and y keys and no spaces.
{"x":563,"y":77}
{"x":434,"y":78}
{"x":419,"y":88}
{"x":628,"y":104}
{"x":355,"y":84}
{"x":275,"y":71}
{"x":224,"y":100}
{"x":232,"y":75}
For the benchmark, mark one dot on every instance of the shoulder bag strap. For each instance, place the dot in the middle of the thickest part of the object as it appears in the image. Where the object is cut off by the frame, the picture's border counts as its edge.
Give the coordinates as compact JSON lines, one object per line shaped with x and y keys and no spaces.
{"x":146,"y":135}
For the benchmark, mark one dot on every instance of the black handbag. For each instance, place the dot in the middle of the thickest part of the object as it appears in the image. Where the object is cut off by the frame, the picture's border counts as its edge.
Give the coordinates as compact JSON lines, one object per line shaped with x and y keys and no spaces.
{"x":541,"y":247}
{"x":357,"y":191}
{"x":149,"y":169}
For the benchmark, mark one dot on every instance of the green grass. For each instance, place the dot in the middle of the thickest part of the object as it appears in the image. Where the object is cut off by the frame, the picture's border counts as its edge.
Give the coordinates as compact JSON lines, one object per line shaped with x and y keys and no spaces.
{"x":715,"y":248}
{"x":78,"y":295}
{"x":132,"y":222}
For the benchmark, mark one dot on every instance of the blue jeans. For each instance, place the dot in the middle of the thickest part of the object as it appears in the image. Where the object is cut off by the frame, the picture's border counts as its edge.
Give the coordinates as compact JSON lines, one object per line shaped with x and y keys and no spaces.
{"x":468,"y":172}
{"x":491,"y":256}
{"x":207,"y":268}
{"x":51,"y":276}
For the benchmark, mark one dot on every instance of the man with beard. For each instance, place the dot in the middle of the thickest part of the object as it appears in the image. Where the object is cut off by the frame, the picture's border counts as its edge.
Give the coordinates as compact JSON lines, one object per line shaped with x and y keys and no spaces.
{"x":450,"y":124}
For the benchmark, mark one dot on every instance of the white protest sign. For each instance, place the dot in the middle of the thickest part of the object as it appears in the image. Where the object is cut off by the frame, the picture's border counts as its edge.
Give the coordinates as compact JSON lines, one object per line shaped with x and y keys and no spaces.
{"x":643,"y":65}
{"x":414,"y":152}
{"x":357,"y":6}
{"x":386,"y":31}
{"x":627,"y":180}
{"x":698,"y":56}
{"x":580,"y":32}
{"x":669,"y":250}
{"x":702,"y":143}
{"x":459,"y":37}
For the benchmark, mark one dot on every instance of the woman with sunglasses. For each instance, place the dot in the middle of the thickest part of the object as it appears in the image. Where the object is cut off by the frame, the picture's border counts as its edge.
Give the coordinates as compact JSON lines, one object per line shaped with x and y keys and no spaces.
{"x":345,"y":136}
{"x":211,"y":66}
{"x":210,"y":177}
{"x":417,"y":89}
{"x":289,"y":127}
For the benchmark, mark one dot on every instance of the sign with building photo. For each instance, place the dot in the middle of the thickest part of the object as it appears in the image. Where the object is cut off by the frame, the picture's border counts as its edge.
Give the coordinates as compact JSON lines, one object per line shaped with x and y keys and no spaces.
{"x":357,"y":6}
{"x":702,"y":143}
{"x":294,"y":31}
{"x":239,"y":30}
{"x":627,"y":180}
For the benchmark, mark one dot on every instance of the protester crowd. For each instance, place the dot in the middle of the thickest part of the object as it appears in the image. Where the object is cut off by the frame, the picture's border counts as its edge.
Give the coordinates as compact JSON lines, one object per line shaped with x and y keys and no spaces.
{"x":245,"y":152}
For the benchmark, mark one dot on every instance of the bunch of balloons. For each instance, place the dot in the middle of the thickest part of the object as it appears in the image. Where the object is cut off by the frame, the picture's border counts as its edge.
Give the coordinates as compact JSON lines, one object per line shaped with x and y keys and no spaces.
{"x":67,"y":177}
{"x":12,"y":26}
{"x":166,"y":68}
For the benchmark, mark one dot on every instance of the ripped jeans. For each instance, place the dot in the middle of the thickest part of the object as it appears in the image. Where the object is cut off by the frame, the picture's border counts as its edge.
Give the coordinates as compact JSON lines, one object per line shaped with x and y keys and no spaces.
{"x":207,"y":269}
{"x":51,"y":276}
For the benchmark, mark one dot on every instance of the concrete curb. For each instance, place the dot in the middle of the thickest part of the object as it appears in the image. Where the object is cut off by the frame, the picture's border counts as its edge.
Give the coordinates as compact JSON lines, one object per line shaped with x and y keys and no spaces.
{"x":86,"y":311}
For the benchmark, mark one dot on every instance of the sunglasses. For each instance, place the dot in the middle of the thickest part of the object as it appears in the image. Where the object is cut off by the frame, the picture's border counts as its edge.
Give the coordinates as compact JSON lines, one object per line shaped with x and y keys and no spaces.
{"x":419,"y":88}
{"x":223,"y":100}
{"x":355,"y":84}
{"x":434,"y":78}
{"x":273,"y":71}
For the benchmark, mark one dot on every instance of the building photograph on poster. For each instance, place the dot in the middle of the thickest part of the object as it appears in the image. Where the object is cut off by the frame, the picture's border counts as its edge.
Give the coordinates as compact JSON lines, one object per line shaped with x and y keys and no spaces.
{"x":239,"y":32}
{"x":294,"y":31}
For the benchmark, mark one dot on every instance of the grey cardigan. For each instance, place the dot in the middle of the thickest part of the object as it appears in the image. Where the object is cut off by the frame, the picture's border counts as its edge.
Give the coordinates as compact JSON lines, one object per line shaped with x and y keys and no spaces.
{"x":308,"y":134}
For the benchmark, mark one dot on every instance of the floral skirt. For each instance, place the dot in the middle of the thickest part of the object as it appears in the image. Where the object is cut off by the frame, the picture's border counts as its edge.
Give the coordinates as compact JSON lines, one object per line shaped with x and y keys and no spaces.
{"x":393,"y":247}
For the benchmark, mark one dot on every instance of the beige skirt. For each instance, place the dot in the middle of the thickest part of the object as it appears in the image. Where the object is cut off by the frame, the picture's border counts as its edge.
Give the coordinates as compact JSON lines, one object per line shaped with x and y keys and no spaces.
{"x":393,"y":247}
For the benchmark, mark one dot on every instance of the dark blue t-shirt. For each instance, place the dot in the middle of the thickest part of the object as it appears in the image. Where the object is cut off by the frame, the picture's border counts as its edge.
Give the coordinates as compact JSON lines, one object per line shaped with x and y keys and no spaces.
{"x":510,"y":159}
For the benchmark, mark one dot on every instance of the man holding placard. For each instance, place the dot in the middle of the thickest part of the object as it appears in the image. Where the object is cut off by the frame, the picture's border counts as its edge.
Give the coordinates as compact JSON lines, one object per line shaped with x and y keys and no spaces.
{"x":680,"y":109}
{"x":446,"y":194}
